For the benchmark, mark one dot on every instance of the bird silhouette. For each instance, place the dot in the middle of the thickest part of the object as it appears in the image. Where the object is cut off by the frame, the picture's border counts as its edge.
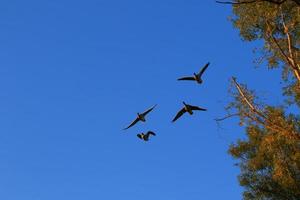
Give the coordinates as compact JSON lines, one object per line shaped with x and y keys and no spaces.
{"x":146,"y":136}
{"x":196,"y":77}
{"x":187,"y":108}
{"x":140,"y":117}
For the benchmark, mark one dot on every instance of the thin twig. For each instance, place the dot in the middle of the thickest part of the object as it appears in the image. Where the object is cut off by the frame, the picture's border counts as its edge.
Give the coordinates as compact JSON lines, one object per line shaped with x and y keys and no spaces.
{"x":249,"y":2}
{"x":226,"y":117}
{"x":230,"y":2}
{"x":256,"y":1}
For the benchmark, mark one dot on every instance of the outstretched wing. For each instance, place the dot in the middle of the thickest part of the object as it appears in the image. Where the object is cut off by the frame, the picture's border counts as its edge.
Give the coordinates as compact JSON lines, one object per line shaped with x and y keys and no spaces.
{"x":151,"y":133}
{"x":132,"y":123}
{"x":203,"y":69}
{"x":197,"y":108}
{"x":186,"y":79}
{"x":179,"y":114}
{"x":146,"y":112}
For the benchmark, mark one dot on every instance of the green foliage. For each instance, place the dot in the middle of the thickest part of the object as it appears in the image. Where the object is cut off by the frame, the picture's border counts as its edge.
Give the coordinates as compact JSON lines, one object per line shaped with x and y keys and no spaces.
{"x":265,"y":21}
{"x":270,"y":160}
{"x":269,"y":157}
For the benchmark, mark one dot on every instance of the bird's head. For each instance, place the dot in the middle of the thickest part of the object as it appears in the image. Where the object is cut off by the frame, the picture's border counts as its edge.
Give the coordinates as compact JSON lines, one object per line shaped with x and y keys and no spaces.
{"x":184,"y":103}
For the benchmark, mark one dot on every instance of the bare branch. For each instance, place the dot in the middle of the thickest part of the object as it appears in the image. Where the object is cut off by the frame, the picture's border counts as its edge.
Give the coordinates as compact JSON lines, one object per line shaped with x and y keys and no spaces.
{"x":226,"y":117}
{"x":286,"y":31}
{"x":249,"y":2}
{"x":233,"y":3}
{"x":252,"y":107}
{"x":256,"y":1}
{"x":261,"y":118}
{"x":282,"y":51}
{"x":288,"y":59}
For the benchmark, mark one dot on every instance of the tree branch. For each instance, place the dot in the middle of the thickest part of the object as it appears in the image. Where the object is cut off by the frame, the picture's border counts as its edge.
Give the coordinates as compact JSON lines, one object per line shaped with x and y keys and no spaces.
{"x":288,"y":59}
{"x":238,"y":87}
{"x":260,"y":117}
{"x":289,"y":42}
{"x":249,"y":2}
{"x":226,"y":117}
{"x":256,"y":1}
{"x":234,"y":3}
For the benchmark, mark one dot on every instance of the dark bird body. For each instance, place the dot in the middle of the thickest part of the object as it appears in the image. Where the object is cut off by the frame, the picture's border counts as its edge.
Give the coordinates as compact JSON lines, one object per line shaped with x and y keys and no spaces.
{"x":187,"y":108}
{"x":196,"y":77}
{"x":140,"y":117}
{"x":146,"y":136}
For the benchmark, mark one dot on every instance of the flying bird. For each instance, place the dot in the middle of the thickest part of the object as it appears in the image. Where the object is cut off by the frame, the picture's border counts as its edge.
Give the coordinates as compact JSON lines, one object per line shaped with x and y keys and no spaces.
{"x":146,"y":136}
{"x":187,"y":108}
{"x":140,"y":117}
{"x":196,"y":77}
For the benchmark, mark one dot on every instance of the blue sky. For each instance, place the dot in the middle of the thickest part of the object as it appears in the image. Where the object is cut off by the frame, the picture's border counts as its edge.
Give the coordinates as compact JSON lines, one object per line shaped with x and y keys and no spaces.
{"x":74,"y":73}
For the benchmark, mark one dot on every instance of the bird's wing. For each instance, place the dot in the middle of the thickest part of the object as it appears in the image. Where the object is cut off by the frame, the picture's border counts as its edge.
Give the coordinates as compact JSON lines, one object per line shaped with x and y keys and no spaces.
{"x":146,"y":112}
{"x":197,"y":108}
{"x":179,"y":114}
{"x":203,"y":69}
{"x":133,"y":123}
{"x":151,"y":133}
{"x":186,"y":79}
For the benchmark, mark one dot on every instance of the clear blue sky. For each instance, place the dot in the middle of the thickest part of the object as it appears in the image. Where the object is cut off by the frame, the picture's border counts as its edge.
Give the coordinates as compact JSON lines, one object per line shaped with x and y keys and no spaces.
{"x":74,"y":73}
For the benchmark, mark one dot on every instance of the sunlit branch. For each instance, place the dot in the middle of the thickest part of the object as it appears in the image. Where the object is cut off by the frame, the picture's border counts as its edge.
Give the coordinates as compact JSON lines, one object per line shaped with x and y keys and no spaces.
{"x":286,"y":31}
{"x":238,"y":87}
{"x":289,"y":60}
{"x":259,"y":117}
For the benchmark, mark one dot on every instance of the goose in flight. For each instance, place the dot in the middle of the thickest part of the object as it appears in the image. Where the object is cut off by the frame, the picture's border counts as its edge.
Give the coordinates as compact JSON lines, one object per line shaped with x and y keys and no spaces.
{"x":145,"y":137}
{"x":140,"y":117}
{"x":196,"y":77}
{"x":187,"y":108}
